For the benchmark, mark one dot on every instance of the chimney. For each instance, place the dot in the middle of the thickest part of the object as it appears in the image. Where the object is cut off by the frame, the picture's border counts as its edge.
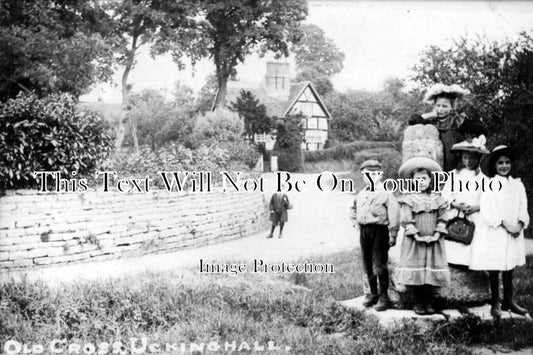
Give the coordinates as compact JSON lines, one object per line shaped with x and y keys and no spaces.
{"x":277,"y":79}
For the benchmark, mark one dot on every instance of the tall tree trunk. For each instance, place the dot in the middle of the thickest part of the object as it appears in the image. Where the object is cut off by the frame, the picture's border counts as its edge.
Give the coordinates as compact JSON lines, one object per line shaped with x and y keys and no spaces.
{"x":222,"y":90}
{"x":121,"y":129}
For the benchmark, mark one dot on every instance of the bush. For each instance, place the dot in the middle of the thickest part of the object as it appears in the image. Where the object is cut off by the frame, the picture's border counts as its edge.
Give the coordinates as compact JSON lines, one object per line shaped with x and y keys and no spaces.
{"x":217,"y":127}
{"x":345,"y":151}
{"x":288,"y":144}
{"x":238,"y":156}
{"x":49,"y":134}
{"x":159,"y":121}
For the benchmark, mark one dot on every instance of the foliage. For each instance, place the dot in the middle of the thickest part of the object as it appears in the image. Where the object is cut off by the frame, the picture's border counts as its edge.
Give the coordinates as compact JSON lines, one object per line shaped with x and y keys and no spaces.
{"x":217,"y":126}
{"x":346,"y":150}
{"x":317,"y":57}
{"x":499,"y":75}
{"x":223,"y":129}
{"x":361,"y":115}
{"x":321,"y":82}
{"x":137,"y":23}
{"x":318,"y":52}
{"x":288,"y":146}
{"x":159,"y":121}
{"x":53,"y":47}
{"x":235,"y":156}
{"x":49,"y":134}
{"x":253,"y":113}
{"x":231,"y":30}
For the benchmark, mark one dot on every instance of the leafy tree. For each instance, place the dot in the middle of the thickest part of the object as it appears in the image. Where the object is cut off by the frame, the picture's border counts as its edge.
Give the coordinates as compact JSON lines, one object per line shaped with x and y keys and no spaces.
{"x":138,"y":23}
{"x":231,"y":30}
{"x":288,"y":146}
{"x":321,"y":82}
{"x":318,"y":59}
{"x":253,"y":113}
{"x":51,"y":46}
{"x":361,"y":115}
{"x":159,"y":121}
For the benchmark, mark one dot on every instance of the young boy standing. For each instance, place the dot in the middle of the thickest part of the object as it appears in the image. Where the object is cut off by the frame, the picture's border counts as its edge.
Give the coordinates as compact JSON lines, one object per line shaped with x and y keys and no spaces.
{"x":378,"y":217}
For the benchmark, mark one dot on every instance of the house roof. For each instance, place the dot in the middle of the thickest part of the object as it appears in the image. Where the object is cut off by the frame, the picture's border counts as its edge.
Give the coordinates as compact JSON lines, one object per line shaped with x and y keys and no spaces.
{"x":276,"y":106}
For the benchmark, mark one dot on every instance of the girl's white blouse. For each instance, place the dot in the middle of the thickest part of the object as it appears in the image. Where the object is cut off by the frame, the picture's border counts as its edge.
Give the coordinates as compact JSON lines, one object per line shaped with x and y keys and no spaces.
{"x":493,"y":248}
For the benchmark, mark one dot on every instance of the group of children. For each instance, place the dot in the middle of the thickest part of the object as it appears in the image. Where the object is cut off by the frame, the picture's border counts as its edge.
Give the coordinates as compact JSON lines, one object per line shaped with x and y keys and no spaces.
{"x":499,"y":218}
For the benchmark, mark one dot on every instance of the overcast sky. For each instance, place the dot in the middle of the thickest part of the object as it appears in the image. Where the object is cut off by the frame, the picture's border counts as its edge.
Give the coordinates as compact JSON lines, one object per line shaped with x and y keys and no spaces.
{"x":380,"y":39}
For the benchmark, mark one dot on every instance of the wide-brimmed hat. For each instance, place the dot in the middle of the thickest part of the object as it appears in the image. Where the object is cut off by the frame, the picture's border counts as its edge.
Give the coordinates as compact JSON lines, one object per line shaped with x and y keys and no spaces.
{"x":371,"y":164}
{"x":411,"y":164}
{"x":495,"y":154}
{"x":453,"y":91}
{"x":476,"y":145}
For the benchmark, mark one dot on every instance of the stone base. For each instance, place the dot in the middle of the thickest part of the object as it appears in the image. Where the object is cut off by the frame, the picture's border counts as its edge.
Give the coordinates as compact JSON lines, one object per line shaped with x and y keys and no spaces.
{"x":467,"y":288}
{"x":396,"y":317}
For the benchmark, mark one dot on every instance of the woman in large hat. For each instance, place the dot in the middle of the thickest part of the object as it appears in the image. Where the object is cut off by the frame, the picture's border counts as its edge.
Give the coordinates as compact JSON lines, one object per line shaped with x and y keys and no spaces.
{"x":463,"y":197}
{"x":444,"y":117}
{"x":498,"y":243}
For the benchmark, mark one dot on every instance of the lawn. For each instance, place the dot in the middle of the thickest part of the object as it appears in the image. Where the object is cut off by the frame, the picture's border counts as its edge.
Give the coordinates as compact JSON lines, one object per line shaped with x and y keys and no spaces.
{"x":233,"y":312}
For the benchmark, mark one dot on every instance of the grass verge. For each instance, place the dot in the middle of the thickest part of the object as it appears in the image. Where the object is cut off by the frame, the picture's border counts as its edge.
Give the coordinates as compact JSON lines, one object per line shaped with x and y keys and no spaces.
{"x":292,"y":310}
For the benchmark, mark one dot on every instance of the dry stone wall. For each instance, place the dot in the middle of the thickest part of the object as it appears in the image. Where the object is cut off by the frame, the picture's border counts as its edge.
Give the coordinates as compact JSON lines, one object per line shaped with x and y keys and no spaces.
{"x":44,"y":229}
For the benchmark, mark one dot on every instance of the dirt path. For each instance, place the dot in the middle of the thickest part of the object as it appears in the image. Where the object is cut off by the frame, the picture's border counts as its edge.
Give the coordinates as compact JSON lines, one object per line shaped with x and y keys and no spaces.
{"x":319,"y":224}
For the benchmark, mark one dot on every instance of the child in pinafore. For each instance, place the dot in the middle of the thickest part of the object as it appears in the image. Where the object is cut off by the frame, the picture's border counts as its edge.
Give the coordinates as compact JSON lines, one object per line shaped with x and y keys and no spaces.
{"x":377,"y":214}
{"x":279,"y":203}
{"x":423,"y":265}
{"x":498,"y":243}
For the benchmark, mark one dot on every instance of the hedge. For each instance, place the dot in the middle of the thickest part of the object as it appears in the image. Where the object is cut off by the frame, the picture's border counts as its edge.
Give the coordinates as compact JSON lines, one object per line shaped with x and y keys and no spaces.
{"x":49,"y":134}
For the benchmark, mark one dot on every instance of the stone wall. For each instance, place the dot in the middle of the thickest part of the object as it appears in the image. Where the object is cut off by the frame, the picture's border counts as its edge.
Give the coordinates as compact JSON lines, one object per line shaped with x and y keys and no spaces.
{"x":43,"y":229}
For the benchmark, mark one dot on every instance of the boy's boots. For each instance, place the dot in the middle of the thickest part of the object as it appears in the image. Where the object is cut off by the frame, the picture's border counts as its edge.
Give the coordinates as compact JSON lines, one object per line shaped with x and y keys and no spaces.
{"x":384,"y":301}
{"x":372,"y":298}
{"x":495,"y":309}
{"x":508,"y":304}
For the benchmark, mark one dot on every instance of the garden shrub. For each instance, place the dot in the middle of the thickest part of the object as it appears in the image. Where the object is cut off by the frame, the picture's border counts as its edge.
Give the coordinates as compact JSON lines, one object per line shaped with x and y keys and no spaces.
{"x":217,"y":127}
{"x":288,"y":146}
{"x":238,"y":156}
{"x":346,"y":150}
{"x":49,"y":134}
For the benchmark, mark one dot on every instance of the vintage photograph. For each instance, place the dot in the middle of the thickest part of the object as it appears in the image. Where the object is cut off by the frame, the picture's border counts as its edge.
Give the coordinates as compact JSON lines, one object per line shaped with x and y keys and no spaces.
{"x":266,"y":177}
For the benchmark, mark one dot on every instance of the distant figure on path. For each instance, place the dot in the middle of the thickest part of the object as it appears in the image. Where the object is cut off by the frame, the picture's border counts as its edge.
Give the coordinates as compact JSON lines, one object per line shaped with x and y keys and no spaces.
{"x":279,"y":204}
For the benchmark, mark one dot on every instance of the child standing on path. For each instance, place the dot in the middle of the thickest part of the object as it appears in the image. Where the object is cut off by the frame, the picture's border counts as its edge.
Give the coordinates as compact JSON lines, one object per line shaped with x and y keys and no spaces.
{"x":423,"y":264}
{"x":498,"y":243}
{"x":279,"y":203}
{"x":378,"y":219}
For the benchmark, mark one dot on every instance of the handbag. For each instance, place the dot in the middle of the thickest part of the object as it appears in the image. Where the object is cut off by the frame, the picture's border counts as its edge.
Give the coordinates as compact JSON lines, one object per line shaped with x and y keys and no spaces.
{"x":460,"y":229}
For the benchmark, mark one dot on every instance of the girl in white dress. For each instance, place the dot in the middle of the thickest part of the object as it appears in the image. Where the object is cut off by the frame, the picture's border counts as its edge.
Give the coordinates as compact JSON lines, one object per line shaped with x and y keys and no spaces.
{"x":462,"y":200}
{"x":498,"y":243}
